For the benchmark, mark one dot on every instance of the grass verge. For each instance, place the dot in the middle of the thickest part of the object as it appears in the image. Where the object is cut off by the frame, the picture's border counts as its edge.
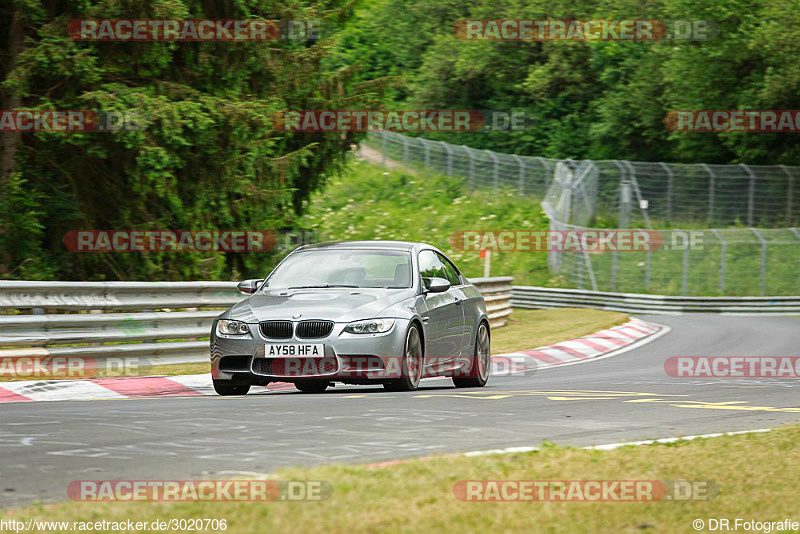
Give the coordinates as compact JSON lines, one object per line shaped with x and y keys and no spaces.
{"x":370,"y":202}
{"x":756,"y":476}
{"x":528,"y":329}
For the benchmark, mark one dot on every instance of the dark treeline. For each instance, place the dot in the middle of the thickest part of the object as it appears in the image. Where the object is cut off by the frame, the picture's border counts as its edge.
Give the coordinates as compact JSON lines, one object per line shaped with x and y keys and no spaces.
{"x":208,"y":158}
{"x":602,"y":99}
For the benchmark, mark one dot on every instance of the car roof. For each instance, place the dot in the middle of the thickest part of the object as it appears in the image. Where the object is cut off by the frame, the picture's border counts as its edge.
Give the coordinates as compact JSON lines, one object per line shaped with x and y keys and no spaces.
{"x":379,"y":245}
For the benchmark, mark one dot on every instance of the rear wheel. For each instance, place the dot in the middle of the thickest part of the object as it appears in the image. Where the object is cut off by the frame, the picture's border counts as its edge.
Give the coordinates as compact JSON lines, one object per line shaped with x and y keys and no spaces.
{"x":226,"y":389}
{"x":481,"y":364}
{"x":311,"y":386}
{"x":411,"y":366}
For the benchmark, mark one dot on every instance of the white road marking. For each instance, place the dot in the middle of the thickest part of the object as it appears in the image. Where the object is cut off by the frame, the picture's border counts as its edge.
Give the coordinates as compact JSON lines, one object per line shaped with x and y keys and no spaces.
{"x":611,"y":446}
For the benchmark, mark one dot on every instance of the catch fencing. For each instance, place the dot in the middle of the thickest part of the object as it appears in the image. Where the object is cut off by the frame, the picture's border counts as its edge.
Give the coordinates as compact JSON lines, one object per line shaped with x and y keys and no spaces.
{"x":747,"y":215}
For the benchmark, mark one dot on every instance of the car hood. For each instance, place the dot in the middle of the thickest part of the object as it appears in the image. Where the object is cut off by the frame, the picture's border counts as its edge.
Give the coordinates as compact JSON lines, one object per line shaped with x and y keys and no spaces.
{"x":334,"y":304}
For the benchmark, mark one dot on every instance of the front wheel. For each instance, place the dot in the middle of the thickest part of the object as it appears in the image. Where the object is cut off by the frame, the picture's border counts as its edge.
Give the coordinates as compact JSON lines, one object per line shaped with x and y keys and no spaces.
{"x":227,"y":389}
{"x":411,"y":368}
{"x":481,"y":363}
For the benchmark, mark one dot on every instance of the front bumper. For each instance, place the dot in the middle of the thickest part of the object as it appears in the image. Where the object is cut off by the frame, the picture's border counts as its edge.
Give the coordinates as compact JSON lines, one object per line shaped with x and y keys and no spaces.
{"x":348,"y":357}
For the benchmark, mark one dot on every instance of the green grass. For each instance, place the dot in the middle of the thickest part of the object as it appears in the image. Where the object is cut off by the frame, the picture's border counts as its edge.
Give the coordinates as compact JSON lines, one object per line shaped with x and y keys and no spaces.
{"x":756,"y":475}
{"x":369,"y":202}
{"x":528,"y":329}
{"x":741,"y":275}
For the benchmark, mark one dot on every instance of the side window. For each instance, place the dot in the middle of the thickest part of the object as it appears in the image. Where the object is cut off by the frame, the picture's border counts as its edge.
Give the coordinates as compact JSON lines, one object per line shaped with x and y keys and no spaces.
{"x":430,"y":266}
{"x":451,"y":271}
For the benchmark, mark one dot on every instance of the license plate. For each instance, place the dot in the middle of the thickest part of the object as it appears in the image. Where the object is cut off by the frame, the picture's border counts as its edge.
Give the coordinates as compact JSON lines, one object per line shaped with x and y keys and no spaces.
{"x":294,"y":350}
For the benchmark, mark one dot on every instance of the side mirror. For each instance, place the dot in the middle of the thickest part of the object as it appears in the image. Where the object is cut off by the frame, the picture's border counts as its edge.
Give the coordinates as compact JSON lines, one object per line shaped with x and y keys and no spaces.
{"x":249,"y":287}
{"x":436,"y":285}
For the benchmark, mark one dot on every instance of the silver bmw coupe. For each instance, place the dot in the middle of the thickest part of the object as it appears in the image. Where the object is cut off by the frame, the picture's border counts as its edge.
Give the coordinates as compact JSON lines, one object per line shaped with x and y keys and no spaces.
{"x":359,"y":312}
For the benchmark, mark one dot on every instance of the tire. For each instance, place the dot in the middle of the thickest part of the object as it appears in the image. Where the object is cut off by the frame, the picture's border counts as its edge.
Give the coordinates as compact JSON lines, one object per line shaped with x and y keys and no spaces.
{"x":312,"y":386}
{"x":412,"y":363}
{"x":226,"y":389}
{"x":481,"y":365}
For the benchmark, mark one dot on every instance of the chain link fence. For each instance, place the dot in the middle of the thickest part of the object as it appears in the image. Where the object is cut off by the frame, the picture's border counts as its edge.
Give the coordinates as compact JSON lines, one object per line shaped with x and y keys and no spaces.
{"x":746,"y":215}
{"x":481,"y":169}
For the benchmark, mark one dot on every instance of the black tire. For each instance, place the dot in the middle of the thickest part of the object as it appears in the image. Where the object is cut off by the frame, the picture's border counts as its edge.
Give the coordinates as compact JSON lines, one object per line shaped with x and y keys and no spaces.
{"x":412,"y":363}
{"x":312,"y":386}
{"x":481,"y":364}
{"x":226,"y":389}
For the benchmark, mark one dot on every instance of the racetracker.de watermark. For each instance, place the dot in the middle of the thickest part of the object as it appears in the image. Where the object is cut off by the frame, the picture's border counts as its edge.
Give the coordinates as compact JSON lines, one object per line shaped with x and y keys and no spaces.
{"x":199,"y":490}
{"x":592,"y":241}
{"x":193,"y":30}
{"x":733,"y":366}
{"x":584,"y":490}
{"x":170,"y":241}
{"x":72,"y":367}
{"x":365,"y":120}
{"x":389,"y":367}
{"x":68,"y":121}
{"x":583,"y":30}
{"x":747,"y":120}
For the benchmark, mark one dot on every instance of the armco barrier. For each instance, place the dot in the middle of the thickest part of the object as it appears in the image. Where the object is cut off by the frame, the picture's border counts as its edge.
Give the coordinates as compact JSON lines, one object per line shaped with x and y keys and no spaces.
{"x":126,"y":315}
{"x":547,"y":297}
{"x":106,"y":296}
{"x":496,"y":293}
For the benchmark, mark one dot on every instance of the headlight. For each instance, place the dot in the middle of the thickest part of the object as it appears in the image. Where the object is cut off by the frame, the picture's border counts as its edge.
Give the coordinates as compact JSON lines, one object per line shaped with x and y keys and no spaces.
{"x":232,"y":328}
{"x":370,"y":326}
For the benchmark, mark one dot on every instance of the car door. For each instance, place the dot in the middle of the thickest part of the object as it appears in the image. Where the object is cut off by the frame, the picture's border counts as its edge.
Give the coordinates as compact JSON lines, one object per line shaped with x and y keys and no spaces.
{"x":457,"y":286}
{"x":444,"y":317}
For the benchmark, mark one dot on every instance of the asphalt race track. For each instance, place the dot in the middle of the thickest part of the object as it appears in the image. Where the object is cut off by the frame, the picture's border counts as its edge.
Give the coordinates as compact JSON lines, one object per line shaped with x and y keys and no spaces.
{"x":46,"y":445}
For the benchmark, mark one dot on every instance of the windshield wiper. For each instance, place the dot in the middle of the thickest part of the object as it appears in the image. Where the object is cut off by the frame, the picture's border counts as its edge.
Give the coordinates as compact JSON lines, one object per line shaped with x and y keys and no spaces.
{"x":322,"y":286}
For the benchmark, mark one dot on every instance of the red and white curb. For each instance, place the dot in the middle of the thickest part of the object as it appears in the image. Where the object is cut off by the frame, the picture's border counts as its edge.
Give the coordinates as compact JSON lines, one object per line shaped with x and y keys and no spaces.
{"x":600,"y":344}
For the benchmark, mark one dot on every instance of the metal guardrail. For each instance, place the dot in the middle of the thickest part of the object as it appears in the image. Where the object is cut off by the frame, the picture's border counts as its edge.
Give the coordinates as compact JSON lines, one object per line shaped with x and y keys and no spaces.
{"x":106,"y":296}
{"x":145,"y":334}
{"x":496,"y":293}
{"x":547,"y":297}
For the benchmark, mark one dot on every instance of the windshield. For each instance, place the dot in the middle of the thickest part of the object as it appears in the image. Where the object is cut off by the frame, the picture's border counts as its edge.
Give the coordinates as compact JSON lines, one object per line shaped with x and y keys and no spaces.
{"x":343,"y":268}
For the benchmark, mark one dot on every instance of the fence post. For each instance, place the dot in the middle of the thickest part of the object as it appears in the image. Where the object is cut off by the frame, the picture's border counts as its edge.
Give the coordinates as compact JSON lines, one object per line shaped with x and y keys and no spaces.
{"x":405,"y":151}
{"x":763,"y":260}
{"x":751,"y":194}
{"x":521,"y":186}
{"x":496,"y":175}
{"x":548,"y":175}
{"x":624,"y":197}
{"x":590,"y":270}
{"x":685,"y":272}
{"x":471,"y":186}
{"x":789,"y":195}
{"x":796,"y":232}
{"x":670,"y":177}
{"x":711,"y":186}
{"x":427,"y":147}
{"x":383,"y":148}
{"x":647,"y":271}
{"x":722,"y":255}
{"x":613,"y":270}
{"x":635,"y":184}
{"x":449,"y":158}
